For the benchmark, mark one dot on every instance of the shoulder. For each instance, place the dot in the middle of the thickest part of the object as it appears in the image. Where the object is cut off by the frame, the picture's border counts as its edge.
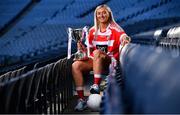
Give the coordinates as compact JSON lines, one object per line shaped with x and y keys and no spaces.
{"x":116,"y":27}
{"x":92,"y":29}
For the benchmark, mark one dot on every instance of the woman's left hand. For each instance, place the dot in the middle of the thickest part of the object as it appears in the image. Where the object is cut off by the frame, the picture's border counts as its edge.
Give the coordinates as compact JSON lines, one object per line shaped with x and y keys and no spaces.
{"x":126,"y":40}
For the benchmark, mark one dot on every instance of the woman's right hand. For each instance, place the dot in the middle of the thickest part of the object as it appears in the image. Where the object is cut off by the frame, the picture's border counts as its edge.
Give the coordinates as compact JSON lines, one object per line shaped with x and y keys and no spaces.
{"x":80,"y":56}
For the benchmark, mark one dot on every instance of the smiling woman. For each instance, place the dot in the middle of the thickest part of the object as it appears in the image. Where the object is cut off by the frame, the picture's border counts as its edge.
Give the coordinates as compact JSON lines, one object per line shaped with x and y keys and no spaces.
{"x":104,"y":40}
{"x":102,"y":16}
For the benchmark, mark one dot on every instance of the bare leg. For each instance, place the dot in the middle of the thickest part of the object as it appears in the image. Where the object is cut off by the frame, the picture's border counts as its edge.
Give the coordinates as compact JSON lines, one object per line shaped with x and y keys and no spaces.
{"x":79,"y":68}
{"x":101,"y":62}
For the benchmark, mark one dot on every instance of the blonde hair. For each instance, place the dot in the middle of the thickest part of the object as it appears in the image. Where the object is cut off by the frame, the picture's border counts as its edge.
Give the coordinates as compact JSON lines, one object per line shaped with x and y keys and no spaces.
{"x":110,"y":20}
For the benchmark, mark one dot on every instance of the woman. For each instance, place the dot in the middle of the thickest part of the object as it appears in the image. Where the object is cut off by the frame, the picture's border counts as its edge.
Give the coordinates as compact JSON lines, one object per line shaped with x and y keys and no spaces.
{"x":105,"y":37}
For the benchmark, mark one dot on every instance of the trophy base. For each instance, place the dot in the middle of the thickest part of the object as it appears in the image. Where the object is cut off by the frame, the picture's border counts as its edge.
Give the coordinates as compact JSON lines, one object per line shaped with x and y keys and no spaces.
{"x":80,"y":56}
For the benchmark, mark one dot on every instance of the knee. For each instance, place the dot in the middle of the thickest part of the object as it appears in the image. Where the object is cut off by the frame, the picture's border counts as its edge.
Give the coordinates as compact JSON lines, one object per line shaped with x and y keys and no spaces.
{"x":76,"y":66}
{"x":96,"y":52}
{"x":98,"y":55}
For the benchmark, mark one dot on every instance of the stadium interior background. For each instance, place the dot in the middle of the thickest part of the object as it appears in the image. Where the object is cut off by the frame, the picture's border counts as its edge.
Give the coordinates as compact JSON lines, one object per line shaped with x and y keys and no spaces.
{"x":33,"y":33}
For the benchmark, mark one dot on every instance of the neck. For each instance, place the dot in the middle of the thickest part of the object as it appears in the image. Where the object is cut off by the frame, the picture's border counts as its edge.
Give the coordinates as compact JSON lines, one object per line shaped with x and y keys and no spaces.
{"x":103,"y":27}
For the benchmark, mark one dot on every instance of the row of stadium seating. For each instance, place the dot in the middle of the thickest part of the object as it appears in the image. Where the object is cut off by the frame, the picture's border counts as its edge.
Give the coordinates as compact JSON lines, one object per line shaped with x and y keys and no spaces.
{"x":9,"y":9}
{"x":150,"y":76}
{"x":40,"y":90}
{"x":141,"y":86}
{"x":150,"y":70}
{"x":167,"y":9}
{"x":43,"y":29}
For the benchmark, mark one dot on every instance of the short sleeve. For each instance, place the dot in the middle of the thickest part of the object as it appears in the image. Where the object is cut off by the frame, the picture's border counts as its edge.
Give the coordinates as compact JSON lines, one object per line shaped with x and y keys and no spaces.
{"x":90,"y":38}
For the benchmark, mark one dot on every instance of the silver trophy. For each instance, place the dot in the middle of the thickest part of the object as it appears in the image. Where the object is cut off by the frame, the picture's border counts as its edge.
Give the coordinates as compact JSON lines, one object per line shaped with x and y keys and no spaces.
{"x":78,"y":35}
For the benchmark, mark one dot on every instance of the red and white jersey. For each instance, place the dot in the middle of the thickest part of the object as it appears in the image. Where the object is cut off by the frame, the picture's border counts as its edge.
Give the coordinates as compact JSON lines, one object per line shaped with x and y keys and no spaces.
{"x":109,"y":41}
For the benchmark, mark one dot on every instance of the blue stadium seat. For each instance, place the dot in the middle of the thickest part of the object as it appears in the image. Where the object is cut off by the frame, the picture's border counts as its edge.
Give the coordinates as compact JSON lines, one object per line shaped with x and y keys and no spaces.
{"x":9,"y":9}
{"x":149,"y":88}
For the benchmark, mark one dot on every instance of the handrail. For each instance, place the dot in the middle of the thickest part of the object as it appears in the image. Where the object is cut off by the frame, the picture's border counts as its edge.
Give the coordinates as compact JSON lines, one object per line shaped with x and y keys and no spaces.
{"x":47,"y":89}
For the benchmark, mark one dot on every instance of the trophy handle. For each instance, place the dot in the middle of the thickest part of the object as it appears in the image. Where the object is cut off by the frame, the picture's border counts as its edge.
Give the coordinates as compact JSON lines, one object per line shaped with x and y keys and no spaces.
{"x":86,"y":32}
{"x":69,"y":42}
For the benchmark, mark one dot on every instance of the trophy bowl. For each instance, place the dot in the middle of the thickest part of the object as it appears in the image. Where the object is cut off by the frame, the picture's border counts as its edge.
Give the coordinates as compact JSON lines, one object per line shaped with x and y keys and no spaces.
{"x":77,"y":34}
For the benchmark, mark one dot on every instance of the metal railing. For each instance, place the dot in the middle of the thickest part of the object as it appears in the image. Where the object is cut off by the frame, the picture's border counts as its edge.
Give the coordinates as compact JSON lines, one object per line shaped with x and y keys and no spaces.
{"x":47,"y":89}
